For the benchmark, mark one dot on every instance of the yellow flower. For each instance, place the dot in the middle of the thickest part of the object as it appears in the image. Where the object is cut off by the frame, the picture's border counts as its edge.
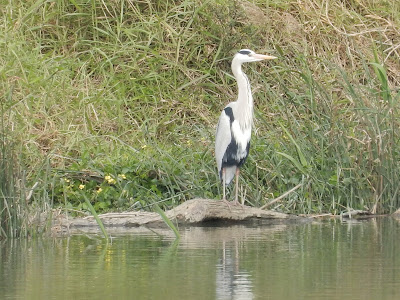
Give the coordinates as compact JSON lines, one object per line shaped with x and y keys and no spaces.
{"x":81,"y":187}
{"x":109,"y":179}
{"x":122,"y":176}
{"x":99,"y":190}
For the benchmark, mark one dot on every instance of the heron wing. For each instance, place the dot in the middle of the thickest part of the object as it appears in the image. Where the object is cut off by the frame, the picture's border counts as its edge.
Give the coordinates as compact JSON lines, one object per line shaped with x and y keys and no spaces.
{"x":223,"y":138}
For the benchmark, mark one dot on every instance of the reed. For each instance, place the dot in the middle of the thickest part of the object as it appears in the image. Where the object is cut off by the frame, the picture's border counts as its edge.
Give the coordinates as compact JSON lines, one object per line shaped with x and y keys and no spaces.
{"x":343,"y":147}
{"x":96,"y":217}
{"x":13,"y":210}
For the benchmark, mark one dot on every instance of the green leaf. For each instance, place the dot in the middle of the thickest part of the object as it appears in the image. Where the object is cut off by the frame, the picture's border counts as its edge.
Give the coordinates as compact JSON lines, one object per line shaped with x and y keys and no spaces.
{"x":294,"y":162}
{"x":302,"y":158}
{"x":166,"y":220}
{"x":382,"y":76}
{"x":96,"y":217}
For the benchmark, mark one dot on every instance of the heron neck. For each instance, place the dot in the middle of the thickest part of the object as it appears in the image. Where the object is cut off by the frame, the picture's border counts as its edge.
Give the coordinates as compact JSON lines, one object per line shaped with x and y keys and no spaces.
{"x":245,"y":98}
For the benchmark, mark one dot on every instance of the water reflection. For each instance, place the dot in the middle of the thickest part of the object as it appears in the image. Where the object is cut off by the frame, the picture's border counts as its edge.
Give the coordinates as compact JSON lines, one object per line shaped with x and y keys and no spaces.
{"x":335,"y":260}
{"x":231,"y":281}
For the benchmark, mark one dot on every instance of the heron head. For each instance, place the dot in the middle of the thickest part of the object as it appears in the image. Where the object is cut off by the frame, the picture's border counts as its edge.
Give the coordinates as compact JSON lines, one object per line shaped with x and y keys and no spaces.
{"x":246,"y":55}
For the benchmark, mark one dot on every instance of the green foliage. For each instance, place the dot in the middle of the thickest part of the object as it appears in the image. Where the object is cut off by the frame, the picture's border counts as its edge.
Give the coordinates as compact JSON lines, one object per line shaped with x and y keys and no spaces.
{"x":133,"y":89}
{"x":20,"y":216}
{"x":138,"y":180}
{"x":345,"y":148}
{"x":166,"y":220}
{"x":96,"y":217}
{"x":11,"y":207}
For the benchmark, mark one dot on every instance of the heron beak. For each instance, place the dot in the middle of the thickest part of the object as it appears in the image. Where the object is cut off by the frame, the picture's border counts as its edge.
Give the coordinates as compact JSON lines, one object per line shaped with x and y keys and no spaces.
{"x":261,"y":56}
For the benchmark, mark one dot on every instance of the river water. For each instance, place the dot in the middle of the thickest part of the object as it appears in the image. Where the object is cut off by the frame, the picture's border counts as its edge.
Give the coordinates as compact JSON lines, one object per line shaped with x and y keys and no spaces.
{"x":320,"y":260}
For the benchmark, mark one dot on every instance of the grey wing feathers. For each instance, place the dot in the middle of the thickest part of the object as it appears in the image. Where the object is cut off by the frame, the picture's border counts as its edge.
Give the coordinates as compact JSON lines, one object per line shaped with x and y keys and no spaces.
{"x":222,"y":138}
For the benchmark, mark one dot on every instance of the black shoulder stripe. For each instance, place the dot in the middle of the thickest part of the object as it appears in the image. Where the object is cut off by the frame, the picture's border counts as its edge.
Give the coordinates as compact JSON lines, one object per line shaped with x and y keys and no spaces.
{"x":229,"y":113}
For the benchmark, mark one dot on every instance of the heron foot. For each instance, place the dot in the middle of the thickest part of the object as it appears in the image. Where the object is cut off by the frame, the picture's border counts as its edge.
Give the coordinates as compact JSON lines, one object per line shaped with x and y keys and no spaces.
{"x":228,"y":203}
{"x":237,"y":203}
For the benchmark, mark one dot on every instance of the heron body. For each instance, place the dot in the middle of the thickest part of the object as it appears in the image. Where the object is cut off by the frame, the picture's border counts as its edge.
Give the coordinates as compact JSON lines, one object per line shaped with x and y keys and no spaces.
{"x":232,"y":141}
{"x":236,"y":143}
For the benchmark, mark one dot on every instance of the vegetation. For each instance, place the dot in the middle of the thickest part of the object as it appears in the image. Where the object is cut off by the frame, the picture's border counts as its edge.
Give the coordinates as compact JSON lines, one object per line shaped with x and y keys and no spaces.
{"x":119,"y":100}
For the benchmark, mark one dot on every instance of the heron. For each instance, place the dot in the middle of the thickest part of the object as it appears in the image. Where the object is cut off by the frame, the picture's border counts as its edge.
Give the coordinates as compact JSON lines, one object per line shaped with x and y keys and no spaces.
{"x":232,"y":138}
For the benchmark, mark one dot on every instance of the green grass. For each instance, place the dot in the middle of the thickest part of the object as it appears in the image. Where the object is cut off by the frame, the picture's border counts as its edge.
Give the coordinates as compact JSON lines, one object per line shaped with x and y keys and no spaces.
{"x":135,"y":89}
{"x":21,"y":215}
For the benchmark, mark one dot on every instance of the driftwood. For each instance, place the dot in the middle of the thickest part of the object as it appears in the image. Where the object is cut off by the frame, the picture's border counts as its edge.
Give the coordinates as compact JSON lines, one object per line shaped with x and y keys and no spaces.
{"x":396,"y":214}
{"x":351,"y":213}
{"x":196,"y":211}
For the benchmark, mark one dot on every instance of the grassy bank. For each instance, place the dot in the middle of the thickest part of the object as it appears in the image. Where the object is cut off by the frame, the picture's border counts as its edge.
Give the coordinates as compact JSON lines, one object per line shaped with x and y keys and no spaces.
{"x":120,"y":100}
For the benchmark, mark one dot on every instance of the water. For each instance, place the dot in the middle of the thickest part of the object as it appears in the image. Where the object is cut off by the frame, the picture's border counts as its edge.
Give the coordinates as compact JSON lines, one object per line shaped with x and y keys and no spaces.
{"x":328,"y":260}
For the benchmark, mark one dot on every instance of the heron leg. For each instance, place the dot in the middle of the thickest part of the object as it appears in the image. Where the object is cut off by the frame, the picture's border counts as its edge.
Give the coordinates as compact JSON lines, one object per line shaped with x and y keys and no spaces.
{"x":223,"y":188}
{"x":223,"y":184}
{"x":237,"y":186}
{"x":237,"y":190}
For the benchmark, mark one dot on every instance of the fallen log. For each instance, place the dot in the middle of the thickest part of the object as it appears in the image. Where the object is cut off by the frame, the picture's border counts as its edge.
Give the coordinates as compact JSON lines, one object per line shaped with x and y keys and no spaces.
{"x":196,"y":211}
{"x":396,"y":214}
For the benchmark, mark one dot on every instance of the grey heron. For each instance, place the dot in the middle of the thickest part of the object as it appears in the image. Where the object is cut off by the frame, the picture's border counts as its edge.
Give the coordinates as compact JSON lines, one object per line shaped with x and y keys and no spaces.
{"x":232,"y":139}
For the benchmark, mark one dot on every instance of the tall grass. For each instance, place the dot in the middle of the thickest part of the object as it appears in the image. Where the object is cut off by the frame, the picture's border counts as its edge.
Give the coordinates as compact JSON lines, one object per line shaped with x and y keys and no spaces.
{"x":131,"y":91}
{"x":25,"y":210}
{"x":343,"y":149}
{"x":13,"y":206}
{"x":10,"y":215}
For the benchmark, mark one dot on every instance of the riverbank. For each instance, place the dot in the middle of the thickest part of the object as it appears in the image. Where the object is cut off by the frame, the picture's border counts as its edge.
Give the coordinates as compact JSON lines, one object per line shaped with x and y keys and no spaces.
{"x":118,"y":102}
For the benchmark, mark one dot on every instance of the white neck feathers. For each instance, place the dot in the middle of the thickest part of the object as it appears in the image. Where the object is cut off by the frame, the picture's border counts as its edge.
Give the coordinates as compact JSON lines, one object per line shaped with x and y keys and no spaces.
{"x":244,"y":107}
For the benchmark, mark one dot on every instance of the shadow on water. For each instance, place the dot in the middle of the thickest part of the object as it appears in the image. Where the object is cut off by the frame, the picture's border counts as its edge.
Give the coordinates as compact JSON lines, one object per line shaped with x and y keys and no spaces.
{"x":333,"y":259}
